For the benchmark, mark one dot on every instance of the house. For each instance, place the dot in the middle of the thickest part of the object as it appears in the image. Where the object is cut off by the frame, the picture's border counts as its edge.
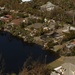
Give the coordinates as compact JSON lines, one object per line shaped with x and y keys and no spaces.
{"x":2,"y":8}
{"x":22,"y":1}
{"x":71,"y":45}
{"x":46,"y":29}
{"x":12,"y":11}
{"x":70,"y":13}
{"x":57,"y":47}
{"x":38,"y":40}
{"x":36,"y":25}
{"x":64,"y":69}
{"x":45,"y":20}
{"x":34,"y":17}
{"x":68,"y":29}
{"x":48,"y":6}
{"x":6,"y":18}
{"x":63,"y":66}
{"x":17,"y":21}
{"x":70,"y":16}
{"x":72,"y":28}
{"x":26,"y":0}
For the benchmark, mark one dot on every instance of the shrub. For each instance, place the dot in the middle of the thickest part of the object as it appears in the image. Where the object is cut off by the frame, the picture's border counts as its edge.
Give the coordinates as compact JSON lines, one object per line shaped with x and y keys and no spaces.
{"x":69,"y":36}
{"x":36,"y":69}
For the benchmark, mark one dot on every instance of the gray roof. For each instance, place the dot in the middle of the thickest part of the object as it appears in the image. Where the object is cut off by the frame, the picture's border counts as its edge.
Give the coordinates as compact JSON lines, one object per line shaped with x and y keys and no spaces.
{"x":70,"y":59}
{"x":48,"y":6}
{"x":70,"y":13}
{"x":36,"y":25}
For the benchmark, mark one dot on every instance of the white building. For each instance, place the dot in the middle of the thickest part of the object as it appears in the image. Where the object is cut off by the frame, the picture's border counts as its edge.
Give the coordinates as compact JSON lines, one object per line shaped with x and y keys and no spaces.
{"x":48,"y":6}
{"x":64,"y":69}
{"x":26,"y":0}
{"x":68,"y":28}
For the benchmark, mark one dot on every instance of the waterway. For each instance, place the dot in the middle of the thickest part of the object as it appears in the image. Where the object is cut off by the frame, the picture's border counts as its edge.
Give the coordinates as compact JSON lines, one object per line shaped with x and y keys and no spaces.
{"x":14,"y":53}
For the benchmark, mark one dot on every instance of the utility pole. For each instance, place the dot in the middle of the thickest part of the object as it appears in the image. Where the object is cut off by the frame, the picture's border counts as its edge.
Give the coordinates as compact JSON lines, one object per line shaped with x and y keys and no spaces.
{"x":73,"y":17}
{"x":45,"y":59}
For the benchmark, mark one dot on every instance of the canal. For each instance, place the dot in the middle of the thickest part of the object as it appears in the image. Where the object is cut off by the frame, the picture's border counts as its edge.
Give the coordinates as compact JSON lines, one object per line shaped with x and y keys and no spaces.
{"x":14,"y":53}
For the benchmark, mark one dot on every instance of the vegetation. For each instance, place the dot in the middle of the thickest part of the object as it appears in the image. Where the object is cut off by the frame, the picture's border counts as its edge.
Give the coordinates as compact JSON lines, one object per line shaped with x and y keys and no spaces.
{"x":69,"y":36}
{"x":34,"y":6}
{"x":1,"y":24}
{"x":1,"y":65}
{"x":29,"y":68}
{"x":73,"y":51}
{"x":25,"y":10}
{"x":50,"y":44}
{"x":35,"y":68}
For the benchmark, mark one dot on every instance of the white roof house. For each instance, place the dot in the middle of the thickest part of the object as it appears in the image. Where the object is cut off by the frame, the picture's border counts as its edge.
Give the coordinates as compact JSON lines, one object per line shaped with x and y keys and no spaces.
{"x":64,"y":69}
{"x":26,"y":0}
{"x":68,"y":28}
{"x":48,"y":6}
{"x":2,"y":8}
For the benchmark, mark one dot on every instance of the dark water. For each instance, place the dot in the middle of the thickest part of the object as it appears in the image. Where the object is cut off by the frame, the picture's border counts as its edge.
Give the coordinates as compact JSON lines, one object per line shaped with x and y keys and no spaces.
{"x":15,"y":52}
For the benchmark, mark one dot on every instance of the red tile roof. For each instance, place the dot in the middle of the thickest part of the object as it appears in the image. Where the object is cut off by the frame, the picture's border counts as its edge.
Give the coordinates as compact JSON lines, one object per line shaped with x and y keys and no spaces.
{"x":73,"y":42}
{"x":6,"y":18}
{"x":17,"y":21}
